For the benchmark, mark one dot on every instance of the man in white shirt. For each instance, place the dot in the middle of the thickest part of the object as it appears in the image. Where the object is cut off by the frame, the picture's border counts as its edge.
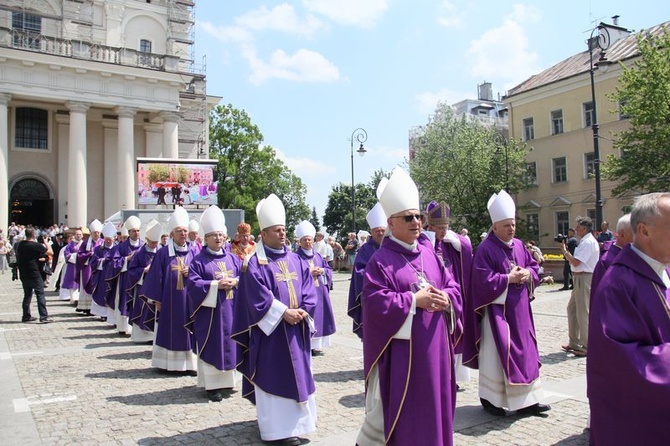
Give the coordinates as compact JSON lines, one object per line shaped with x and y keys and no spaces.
{"x":582,"y":263}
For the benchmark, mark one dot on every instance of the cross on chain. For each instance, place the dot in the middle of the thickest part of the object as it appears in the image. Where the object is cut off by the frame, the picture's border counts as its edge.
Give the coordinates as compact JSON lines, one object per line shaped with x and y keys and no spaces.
{"x":316,"y":279}
{"x":287,"y":276}
{"x":180,"y":268}
{"x":225,"y":274}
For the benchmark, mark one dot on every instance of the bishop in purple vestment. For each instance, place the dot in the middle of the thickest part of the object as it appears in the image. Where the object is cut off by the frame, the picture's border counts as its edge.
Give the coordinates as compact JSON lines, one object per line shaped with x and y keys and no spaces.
{"x":142,"y":314}
{"x":408,"y":315}
{"x":101,"y":259}
{"x":84,"y":256}
{"x":622,"y":237}
{"x":273,"y":326}
{"x":500,"y":340}
{"x":70,"y":279}
{"x":322,"y":276}
{"x":628,"y":364}
{"x":165,"y":285}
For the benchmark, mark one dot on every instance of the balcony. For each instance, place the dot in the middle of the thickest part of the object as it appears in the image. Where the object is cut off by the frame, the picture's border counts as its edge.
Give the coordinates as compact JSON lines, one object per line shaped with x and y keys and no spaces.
{"x":77,"y":49}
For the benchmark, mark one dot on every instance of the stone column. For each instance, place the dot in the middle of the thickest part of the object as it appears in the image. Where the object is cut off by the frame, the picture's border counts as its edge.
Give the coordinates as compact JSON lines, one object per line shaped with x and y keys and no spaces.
{"x":154,"y":140}
{"x":126,"y":158}
{"x":4,"y":161}
{"x":63,"y":125}
{"x":77,"y":193}
{"x":110,"y":144}
{"x":170,"y":134}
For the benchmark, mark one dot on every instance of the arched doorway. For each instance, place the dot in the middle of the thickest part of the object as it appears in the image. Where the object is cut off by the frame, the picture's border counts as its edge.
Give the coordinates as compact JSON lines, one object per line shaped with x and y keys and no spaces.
{"x":31,"y":203}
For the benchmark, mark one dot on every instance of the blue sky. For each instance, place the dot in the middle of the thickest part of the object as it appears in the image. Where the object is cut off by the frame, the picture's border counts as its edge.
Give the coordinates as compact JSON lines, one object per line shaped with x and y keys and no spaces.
{"x":309,"y":72}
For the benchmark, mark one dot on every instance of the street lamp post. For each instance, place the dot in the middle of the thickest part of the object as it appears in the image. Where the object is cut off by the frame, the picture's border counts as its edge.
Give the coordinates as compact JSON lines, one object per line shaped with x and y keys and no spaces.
{"x":361,"y":136}
{"x":603,"y":44}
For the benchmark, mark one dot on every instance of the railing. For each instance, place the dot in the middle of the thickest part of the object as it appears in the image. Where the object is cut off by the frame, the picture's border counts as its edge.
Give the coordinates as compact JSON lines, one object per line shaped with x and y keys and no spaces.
{"x":77,"y":49}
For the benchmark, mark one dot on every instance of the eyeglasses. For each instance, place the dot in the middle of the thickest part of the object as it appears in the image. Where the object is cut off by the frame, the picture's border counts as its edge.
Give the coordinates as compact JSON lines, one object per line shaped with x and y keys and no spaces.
{"x":409,"y":218}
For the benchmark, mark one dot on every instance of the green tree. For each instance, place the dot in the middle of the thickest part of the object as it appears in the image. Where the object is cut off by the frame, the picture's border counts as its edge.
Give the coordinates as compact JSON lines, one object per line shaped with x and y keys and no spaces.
{"x":337,"y":217}
{"x":644,"y":96}
{"x":314,"y":219}
{"x":158,"y":172}
{"x":247,"y":172}
{"x":461,"y":161}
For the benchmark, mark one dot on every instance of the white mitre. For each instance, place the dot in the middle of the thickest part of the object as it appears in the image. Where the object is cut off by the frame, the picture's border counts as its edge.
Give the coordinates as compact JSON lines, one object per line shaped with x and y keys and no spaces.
{"x":270,"y":212}
{"x":399,"y":193}
{"x":212,"y":220}
{"x":95,"y":226}
{"x":193,"y":226}
{"x":305,"y":229}
{"x":124,"y":231}
{"x":109,"y":230}
{"x":179,"y":218}
{"x":154,"y":231}
{"x":132,"y":222}
{"x":376,"y":218}
{"x":501,"y":206}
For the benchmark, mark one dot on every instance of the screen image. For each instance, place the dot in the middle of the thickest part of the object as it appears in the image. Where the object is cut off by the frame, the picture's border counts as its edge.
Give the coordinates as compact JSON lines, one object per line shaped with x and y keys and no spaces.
{"x":176,"y":182}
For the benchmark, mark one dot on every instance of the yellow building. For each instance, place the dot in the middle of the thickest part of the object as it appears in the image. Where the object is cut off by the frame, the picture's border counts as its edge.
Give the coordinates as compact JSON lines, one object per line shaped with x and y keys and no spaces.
{"x":553,"y":112}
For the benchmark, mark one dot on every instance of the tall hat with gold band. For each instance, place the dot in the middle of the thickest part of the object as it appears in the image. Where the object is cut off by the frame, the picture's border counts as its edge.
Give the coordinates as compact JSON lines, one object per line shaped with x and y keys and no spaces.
{"x":132,"y":222}
{"x":399,"y":193}
{"x":501,"y":206}
{"x":270,"y":212}
{"x":109,"y":230}
{"x":213,"y":220}
{"x":95,"y":226}
{"x":244,"y":229}
{"x":305,"y":229}
{"x":154,"y":231}
{"x":438,"y":213}
{"x":376,"y":217}
{"x":179,"y":218}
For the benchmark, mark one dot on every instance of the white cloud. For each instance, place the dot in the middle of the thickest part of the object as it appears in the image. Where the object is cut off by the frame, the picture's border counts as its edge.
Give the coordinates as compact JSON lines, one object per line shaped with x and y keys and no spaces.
{"x":302,"y":66}
{"x":306,"y":167}
{"x":503,"y":52}
{"x":281,"y":18}
{"x":226,"y":33}
{"x":362,"y":13}
{"x":427,"y":100}
{"x":449,"y":15}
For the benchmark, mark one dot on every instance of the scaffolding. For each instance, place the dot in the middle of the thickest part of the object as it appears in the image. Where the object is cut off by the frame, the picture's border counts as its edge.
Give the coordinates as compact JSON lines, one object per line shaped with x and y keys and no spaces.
{"x":73,"y":22}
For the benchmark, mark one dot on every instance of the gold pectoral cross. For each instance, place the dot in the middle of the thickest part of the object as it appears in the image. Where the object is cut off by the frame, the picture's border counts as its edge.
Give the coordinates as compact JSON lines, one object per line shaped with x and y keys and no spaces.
{"x":180,"y":268}
{"x":224,"y":273}
{"x":288,"y":276}
{"x":316,"y":279}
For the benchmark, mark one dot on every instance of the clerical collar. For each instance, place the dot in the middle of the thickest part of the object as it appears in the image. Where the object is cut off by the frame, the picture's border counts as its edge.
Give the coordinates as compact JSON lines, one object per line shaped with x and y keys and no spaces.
{"x":658,"y":267}
{"x":309,"y":252}
{"x":179,"y":248}
{"x":407,"y":246}
{"x":135,"y":243}
{"x":110,"y":246}
{"x":150,"y":249}
{"x":510,"y":243}
{"x":273,"y":250}
{"x":211,"y":251}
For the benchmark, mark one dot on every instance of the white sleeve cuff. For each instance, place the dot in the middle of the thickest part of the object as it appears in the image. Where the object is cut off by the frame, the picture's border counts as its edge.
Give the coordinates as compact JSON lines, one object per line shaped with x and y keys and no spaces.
{"x":124,"y":268}
{"x":501,"y":299}
{"x":212,"y":294}
{"x":72,"y":258}
{"x":101,"y":264}
{"x":273,"y":317}
{"x":405,"y":331}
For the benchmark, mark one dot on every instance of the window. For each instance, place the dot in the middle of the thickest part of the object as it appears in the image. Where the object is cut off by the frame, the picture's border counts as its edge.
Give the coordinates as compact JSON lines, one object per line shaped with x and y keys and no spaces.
{"x":29,"y":27}
{"x":531,"y":173}
{"x":528,"y":129}
{"x":533,"y":226}
{"x":145,"y":49}
{"x":591,"y":213}
{"x":557,"y":122}
{"x":560,"y":170}
{"x":589,"y":165}
{"x":562,"y":222}
{"x":589,"y":115}
{"x":31,"y":129}
{"x":622,"y":114}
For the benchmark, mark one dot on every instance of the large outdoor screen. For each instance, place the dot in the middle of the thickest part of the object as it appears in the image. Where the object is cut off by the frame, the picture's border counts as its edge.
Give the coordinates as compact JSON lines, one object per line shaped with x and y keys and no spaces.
{"x":171,"y":182}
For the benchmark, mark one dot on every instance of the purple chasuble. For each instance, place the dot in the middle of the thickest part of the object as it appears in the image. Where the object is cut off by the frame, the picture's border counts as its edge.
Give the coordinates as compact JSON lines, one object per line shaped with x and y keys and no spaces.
{"x":280,"y":363}
{"x":70,"y":280}
{"x":84,"y":257}
{"x":459,"y":265}
{"x":512,"y":322}
{"x":628,"y":367}
{"x":96,"y":285}
{"x":142,"y":314}
{"x":117,"y":279}
{"x":354,"y":308}
{"x":166,"y":284}
{"x":416,"y":376}
{"x":212,"y":327}
{"x":324,"y":319}
{"x":601,"y":267}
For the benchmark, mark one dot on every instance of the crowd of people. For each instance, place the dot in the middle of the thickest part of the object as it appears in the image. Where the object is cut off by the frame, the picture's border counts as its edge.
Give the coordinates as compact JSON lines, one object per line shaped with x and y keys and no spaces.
{"x":427,"y":307}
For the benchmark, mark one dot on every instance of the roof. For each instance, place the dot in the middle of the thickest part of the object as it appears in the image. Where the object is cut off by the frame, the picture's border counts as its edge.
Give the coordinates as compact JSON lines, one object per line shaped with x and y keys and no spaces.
{"x":620,"y":50}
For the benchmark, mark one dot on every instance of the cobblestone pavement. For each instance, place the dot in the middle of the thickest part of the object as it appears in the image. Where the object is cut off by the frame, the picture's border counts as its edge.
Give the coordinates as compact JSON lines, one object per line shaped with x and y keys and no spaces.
{"x":76,"y":381}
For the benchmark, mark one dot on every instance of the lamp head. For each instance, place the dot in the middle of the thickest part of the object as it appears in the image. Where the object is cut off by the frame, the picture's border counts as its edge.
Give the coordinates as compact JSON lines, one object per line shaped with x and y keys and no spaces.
{"x":361,"y":150}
